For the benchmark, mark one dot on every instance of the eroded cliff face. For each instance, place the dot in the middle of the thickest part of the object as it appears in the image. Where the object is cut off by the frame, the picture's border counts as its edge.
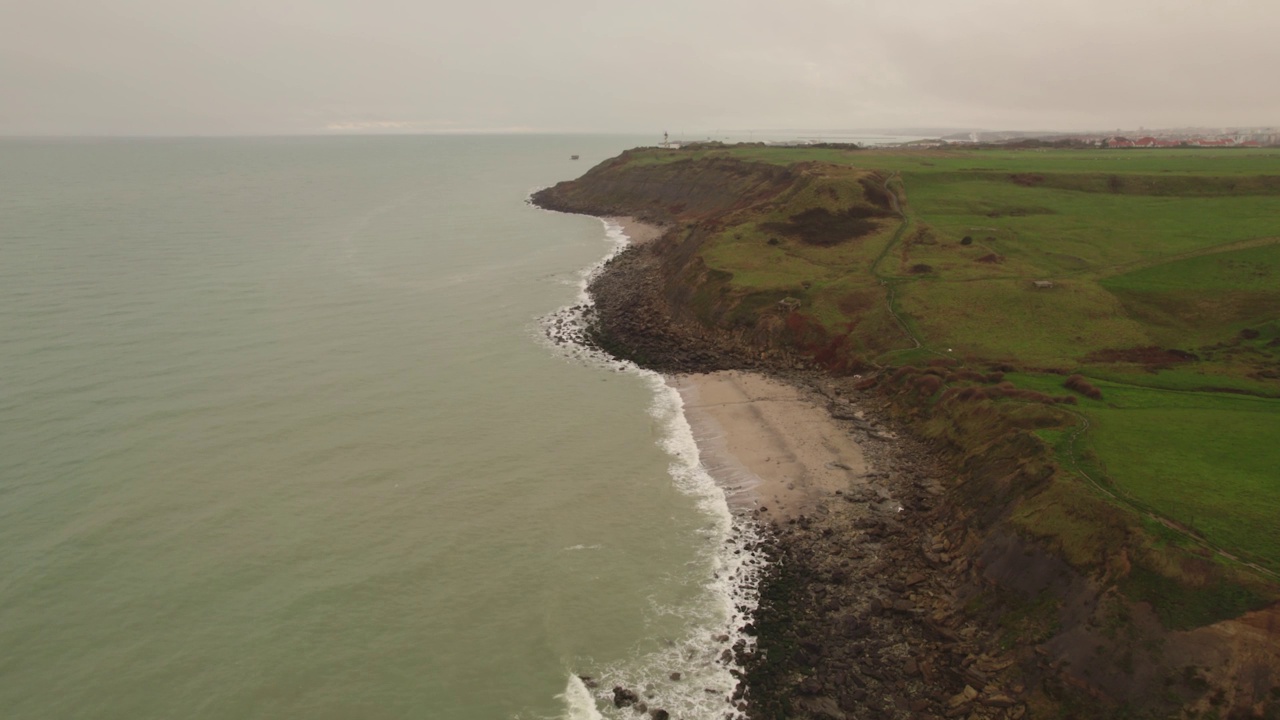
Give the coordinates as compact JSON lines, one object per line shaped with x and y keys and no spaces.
{"x":647,"y":185}
{"x":659,"y":304}
{"x":698,"y":317}
{"x":1072,"y":640}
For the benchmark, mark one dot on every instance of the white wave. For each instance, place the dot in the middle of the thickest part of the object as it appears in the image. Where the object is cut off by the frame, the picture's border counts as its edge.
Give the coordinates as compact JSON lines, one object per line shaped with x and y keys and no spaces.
{"x":584,"y":547}
{"x":579,"y":703}
{"x":707,"y":682}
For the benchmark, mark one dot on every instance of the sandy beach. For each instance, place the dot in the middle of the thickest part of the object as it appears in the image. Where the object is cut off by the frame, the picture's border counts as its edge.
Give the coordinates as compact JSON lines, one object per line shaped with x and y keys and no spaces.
{"x":640,"y":233}
{"x":857,"y":614}
{"x":771,"y":447}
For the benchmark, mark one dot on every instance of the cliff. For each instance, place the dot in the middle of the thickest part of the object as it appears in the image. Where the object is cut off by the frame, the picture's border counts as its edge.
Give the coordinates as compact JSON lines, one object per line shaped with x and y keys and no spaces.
{"x":1053,"y":595}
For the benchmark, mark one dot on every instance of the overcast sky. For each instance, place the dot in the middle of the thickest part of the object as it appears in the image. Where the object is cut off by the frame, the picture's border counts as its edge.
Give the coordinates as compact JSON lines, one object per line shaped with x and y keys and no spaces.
{"x":306,"y":66}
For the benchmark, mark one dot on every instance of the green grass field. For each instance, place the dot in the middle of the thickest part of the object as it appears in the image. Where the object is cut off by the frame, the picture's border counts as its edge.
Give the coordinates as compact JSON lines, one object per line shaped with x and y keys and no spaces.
{"x":1207,"y":460}
{"x":1165,"y":267}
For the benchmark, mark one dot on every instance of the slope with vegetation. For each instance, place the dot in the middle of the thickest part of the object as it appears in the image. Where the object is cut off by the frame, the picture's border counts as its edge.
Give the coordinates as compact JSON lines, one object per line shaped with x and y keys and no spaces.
{"x":1110,"y":320}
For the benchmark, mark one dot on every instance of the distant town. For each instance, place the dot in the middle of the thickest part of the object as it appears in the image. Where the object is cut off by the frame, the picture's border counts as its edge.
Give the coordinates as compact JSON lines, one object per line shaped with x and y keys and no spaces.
{"x":1140,"y":138}
{"x":933,"y":137}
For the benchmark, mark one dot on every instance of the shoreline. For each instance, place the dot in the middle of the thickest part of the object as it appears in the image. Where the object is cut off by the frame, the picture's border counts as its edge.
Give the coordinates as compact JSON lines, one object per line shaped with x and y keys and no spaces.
{"x":700,"y":673}
{"x":860,"y":610}
{"x":773,"y":449}
{"x":968,"y":577}
{"x":636,"y":231}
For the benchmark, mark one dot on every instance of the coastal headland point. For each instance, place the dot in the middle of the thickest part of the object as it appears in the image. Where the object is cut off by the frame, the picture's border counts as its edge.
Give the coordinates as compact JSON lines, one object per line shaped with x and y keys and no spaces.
{"x":1058,"y":374}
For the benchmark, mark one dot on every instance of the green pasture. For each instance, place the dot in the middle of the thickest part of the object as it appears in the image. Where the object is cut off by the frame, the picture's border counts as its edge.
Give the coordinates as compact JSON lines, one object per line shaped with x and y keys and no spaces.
{"x":1147,"y":249}
{"x":1177,"y":248}
{"x":1206,"y":460}
{"x":1067,"y":232}
{"x":1196,"y":377}
{"x":1191,"y":161}
{"x":1010,"y":321}
{"x":1212,"y":469}
{"x":1250,"y":268}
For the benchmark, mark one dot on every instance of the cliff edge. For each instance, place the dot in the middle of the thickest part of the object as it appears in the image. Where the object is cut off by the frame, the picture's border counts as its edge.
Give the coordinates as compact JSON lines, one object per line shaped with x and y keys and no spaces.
{"x":1009,"y":584}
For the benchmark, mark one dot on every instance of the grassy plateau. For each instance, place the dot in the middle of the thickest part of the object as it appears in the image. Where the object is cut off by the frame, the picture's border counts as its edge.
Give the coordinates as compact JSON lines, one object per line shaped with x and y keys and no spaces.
{"x":1152,"y":275}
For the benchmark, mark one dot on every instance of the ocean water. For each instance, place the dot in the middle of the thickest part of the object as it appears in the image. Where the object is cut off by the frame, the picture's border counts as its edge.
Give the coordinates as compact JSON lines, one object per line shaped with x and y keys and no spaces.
{"x":282,"y":435}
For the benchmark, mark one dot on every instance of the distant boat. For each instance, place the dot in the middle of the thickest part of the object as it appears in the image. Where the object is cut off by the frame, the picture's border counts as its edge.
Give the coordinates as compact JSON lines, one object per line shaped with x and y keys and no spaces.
{"x":573,"y":157}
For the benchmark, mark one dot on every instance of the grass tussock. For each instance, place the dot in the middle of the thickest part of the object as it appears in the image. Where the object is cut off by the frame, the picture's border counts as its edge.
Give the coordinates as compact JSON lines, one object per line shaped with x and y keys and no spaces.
{"x":1082,"y":386}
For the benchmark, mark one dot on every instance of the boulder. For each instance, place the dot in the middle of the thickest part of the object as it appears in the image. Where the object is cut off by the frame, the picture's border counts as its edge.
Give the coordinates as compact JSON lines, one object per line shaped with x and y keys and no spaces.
{"x":623,"y":697}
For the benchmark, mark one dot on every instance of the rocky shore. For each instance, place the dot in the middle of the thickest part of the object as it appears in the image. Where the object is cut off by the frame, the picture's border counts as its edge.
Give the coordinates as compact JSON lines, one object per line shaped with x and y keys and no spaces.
{"x":862,"y":610}
{"x":863,"y":614}
{"x":963,"y":572}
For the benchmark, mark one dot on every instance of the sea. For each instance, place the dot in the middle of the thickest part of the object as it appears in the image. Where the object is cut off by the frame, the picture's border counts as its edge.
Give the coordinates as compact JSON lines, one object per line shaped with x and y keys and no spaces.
{"x":298,"y":428}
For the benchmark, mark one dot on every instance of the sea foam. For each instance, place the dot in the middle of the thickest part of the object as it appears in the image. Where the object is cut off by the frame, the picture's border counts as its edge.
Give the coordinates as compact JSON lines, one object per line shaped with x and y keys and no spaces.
{"x":704,"y":656}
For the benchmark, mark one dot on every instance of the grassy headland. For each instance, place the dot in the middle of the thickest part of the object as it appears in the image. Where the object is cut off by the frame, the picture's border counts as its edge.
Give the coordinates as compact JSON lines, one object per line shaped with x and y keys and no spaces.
{"x":1093,"y":335}
{"x":1165,"y":267}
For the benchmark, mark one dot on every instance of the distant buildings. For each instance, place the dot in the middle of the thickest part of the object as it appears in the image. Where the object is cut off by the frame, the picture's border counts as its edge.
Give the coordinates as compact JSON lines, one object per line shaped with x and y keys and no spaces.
{"x":1151,"y":142}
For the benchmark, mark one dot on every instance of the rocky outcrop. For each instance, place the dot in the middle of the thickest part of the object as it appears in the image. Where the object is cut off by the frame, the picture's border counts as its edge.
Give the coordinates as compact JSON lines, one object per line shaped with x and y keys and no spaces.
{"x":643,"y":315}
{"x":649,"y":185}
{"x":865,"y":616}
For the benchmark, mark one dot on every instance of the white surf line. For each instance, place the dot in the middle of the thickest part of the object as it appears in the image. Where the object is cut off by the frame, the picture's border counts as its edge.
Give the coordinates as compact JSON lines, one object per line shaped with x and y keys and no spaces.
{"x":706,"y":654}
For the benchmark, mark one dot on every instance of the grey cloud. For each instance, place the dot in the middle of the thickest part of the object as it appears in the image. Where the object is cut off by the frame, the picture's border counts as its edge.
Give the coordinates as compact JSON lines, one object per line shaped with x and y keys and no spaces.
{"x":289,"y":66}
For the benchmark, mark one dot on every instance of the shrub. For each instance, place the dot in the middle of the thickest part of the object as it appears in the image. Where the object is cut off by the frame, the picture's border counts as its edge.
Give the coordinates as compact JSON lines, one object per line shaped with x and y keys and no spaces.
{"x":966,"y":240}
{"x":966,"y":375}
{"x":875,"y":193}
{"x":902,"y":372}
{"x":1082,"y":386}
{"x":927,"y":385}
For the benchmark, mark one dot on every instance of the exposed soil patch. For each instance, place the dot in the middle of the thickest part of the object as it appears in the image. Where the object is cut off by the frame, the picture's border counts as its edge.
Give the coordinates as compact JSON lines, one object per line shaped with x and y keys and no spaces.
{"x":991,"y":259}
{"x":820,"y":226}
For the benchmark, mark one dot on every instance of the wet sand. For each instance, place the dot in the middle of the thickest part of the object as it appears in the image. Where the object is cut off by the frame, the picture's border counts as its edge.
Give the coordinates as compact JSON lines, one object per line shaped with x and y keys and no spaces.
{"x":772,"y":448}
{"x":639,"y":232}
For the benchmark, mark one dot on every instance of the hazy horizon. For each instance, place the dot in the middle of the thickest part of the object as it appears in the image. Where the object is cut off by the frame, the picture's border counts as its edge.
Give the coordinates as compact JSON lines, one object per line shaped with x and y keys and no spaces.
{"x":149,"y":68}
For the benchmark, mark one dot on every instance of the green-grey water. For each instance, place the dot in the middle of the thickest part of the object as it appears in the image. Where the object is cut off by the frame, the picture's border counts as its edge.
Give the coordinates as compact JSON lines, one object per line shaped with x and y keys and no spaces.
{"x":281,"y":436}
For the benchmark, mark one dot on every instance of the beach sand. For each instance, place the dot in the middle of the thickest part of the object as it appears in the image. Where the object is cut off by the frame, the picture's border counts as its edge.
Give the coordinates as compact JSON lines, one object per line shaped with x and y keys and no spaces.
{"x":771,"y":447}
{"x":639,"y":232}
